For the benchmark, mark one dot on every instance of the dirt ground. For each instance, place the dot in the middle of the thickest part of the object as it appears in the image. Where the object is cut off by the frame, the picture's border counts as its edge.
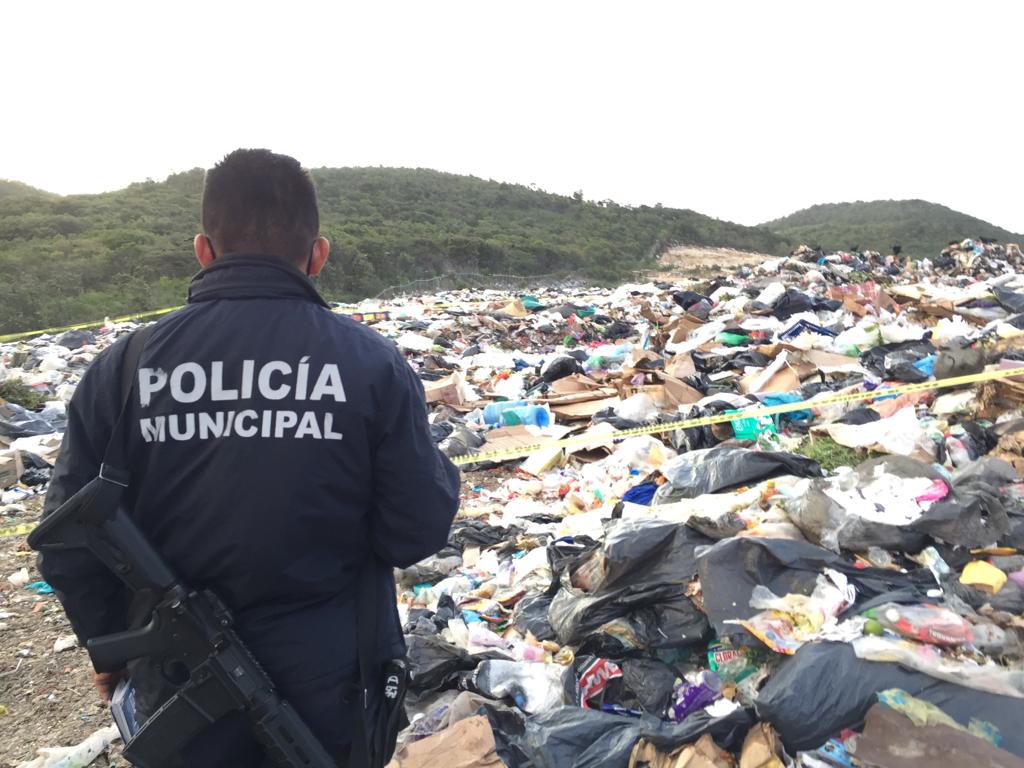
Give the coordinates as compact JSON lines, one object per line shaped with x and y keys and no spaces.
{"x":46,"y":697}
{"x":692,"y":260}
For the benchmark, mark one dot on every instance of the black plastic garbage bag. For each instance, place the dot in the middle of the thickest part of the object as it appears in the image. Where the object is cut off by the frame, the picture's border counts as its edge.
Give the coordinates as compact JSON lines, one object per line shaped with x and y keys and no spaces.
{"x":509,"y":728}
{"x":896,"y":361}
{"x":440,"y":430}
{"x":531,"y":615}
{"x":430,"y":570}
{"x":719,"y":469}
{"x":959,"y":362}
{"x":974,"y":514}
{"x":648,"y":682}
{"x":33,"y":477}
{"x":33,"y":461}
{"x":750,"y":358}
{"x":983,"y":438}
{"x":420,"y":622}
{"x":644,"y":551}
{"x":706,"y":362}
{"x":731,"y":569}
{"x":1009,"y":598}
{"x":75,"y":339}
{"x":567,"y":310}
{"x":728,"y":731}
{"x":37,"y":470}
{"x":1009,"y":300}
{"x":16,"y":422}
{"x":476,"y":533}
{"x":687,"y":299}
{"x":824,"y":688}
{"x":573,"y":737}
{"x":794,"y":301}
{"x":646,"y":616}
{"x":460,"y":442}
{"x":566,"y":554}
{"x":859,"y":416}
{"x":618,"y":330}
{"x":561,"y":367}
{"x":825,"y":521}
{"x":434,"y":664}
{"x":608,"y":415}
{"x":695,"y":438}
{"x":718,"y":526}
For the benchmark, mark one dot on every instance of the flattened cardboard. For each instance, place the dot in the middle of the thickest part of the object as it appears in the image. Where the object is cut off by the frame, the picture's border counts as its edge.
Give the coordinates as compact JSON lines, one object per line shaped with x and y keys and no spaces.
{"x":582,"y":410}
{"x":678,"y":392}
{"x":575,"y":382}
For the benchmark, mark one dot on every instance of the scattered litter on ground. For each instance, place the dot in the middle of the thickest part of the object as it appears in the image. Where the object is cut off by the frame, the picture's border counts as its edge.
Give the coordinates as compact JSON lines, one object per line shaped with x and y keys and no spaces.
{"x":838,"y":582}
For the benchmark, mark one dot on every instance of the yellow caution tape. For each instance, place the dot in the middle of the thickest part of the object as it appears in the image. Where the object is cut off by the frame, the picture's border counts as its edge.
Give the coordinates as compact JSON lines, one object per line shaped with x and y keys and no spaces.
{"x":729,"y":416}
{"x":17,"y":530}
{"x":158,"y":312}
{"x":80,"y":326}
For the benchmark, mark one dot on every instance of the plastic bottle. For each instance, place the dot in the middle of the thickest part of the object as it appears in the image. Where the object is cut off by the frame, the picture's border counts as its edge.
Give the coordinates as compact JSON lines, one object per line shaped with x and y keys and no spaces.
{"x":924,"y":623}
{"x":990,"y":639}
{"x":730,"y":664}
{"x":958,"y":453}
{"x":492,"y":412}
{"x":538,"y":415}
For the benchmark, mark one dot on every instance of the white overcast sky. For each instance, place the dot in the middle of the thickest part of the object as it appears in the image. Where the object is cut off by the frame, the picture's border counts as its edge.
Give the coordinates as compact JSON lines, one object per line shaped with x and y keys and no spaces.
{"x":743,"y":110}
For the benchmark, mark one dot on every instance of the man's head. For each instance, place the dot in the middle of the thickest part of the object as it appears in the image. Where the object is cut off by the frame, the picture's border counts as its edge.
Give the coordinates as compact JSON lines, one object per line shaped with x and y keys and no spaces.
{"x":257,"y":202}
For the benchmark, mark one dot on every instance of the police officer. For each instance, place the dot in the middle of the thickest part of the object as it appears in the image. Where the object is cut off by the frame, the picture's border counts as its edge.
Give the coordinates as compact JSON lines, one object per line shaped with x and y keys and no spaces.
{"x":275,"y":445}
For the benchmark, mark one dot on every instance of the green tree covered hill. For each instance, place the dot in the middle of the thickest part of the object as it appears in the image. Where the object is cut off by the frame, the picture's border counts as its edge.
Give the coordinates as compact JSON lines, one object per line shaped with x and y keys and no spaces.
{"x":82,"y":257}
{"x":921,"y":228}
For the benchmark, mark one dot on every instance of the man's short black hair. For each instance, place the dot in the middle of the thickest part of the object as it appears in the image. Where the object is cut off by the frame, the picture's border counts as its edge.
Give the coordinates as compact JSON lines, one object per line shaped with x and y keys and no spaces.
{"x":255,"y":201}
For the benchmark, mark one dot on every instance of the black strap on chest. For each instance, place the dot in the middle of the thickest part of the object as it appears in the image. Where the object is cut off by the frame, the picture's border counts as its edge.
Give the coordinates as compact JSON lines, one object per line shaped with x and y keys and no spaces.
{"x":115,"y":457}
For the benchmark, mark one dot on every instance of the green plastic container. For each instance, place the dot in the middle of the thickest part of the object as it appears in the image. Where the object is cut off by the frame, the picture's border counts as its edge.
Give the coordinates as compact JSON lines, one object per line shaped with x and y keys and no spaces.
{"x":752,"y":427}
{"x":731,"y":339}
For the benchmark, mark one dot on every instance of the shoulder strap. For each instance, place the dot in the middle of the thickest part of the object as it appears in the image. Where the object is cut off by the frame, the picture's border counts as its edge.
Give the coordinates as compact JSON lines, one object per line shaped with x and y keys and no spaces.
{"x":115,"y":455}
{"x":366,"y":630}
{"x":130,"y":364}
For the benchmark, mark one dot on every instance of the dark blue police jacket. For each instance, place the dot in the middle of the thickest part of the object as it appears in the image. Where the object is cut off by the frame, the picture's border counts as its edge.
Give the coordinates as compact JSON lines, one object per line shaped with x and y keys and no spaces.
{"x":274,"y":446}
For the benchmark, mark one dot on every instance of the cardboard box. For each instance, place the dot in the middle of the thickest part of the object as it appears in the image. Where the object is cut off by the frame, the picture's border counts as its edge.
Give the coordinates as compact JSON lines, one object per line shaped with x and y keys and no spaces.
{"x":11,"y":468}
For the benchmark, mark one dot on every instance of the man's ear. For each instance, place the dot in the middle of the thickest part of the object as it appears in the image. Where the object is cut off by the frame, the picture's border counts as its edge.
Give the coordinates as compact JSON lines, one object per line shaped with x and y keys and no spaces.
{"x":204,"y":253}
{"x":321,"y":250}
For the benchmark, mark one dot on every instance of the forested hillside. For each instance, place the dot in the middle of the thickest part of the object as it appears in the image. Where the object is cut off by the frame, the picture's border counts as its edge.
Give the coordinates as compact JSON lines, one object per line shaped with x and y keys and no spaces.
{"x":921,"y":228}
{"x":79,"y":258}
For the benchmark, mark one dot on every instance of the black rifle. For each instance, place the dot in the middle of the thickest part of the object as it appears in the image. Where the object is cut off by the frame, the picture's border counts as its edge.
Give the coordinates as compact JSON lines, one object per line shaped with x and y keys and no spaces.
{"x":190,"y":632}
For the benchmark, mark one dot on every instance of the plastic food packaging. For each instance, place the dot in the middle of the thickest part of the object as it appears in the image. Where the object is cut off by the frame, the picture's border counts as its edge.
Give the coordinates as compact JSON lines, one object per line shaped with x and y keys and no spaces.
{"x":786,"y":623}
{"x":689,"y":697}
{"x":534,"y":687}
{"x":924,"y":623}
{"x":990,"y":677}
{"x":638,"y":408}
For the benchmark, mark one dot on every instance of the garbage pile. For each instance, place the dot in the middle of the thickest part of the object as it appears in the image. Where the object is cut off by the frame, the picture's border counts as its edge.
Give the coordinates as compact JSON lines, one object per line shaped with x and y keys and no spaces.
{"x":838,"y":584}
{"x":37,"y":379}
